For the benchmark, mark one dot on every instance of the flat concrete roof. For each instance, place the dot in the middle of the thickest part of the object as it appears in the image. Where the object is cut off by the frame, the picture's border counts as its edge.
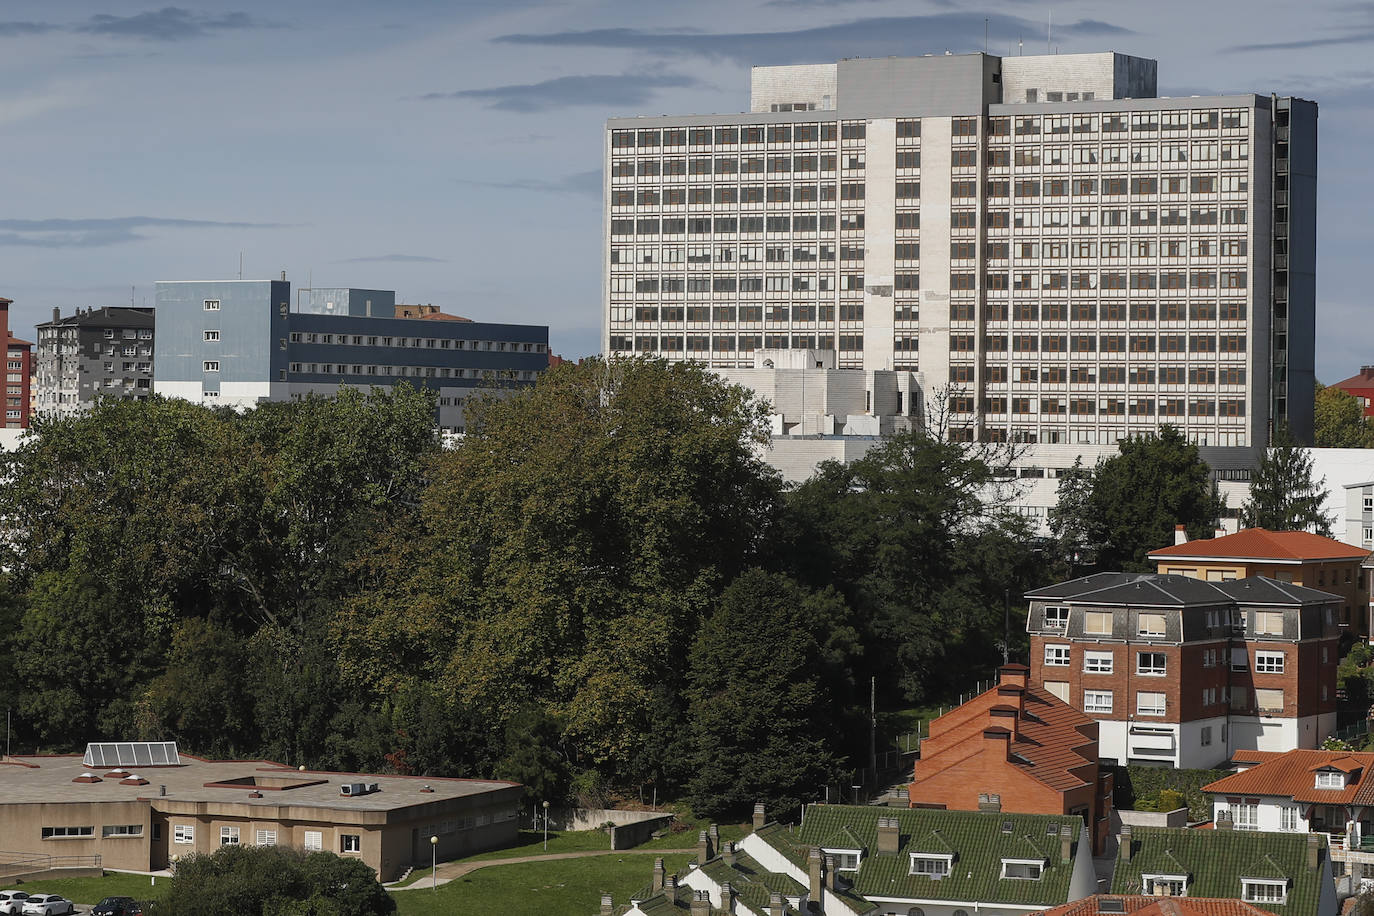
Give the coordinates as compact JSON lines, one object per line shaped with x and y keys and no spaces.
{"x":49,"y":780}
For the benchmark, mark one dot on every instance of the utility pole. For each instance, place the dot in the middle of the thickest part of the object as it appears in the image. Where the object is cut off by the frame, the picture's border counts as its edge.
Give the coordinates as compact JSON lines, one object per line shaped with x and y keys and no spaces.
{"x":1006,"y":626}
{"x":873,"y":724}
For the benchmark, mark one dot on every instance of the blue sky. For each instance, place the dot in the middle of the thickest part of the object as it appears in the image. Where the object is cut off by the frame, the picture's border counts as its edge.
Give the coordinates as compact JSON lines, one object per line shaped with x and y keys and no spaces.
{"x":451,"y":151}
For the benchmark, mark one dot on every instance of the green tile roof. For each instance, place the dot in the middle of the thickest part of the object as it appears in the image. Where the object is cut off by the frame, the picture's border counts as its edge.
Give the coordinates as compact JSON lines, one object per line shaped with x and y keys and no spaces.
{"x":1216,"y":860}
{"x":753,"y":883}
{"x":786,"y":842}
{"x":975,"y":839}
{"x":666,"y":903}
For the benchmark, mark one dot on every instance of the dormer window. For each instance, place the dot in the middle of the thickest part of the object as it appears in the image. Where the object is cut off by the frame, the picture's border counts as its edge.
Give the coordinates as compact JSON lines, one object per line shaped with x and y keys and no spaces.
{"x":1023,"y":869}
{"x":845,"y":859}
{"x":1261,"y":890}
{"x":1056,"y":618}
{"x":1330,"y":779}
{"x":931,"y":864}
{"x":1164,"y":885}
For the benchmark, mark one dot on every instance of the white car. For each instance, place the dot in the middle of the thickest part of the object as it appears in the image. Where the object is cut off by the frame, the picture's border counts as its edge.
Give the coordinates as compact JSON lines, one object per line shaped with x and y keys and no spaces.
{"x":48,"y":905}
{"x":12,"y":902}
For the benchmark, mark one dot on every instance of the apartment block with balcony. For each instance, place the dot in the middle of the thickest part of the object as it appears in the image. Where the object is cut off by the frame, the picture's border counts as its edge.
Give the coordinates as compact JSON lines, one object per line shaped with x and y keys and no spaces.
{"x":104,"y":352}
{"x":18,"y":372}
{"x":1183,"y":672}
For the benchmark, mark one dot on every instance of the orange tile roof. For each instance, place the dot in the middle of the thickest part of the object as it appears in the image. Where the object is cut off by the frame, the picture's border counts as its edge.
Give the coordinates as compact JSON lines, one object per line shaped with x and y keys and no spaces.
{"x":1138,"y":905}
{"x":1055,"y":743}
{"x":1289,"y":775}
{"x":1263,"y":544}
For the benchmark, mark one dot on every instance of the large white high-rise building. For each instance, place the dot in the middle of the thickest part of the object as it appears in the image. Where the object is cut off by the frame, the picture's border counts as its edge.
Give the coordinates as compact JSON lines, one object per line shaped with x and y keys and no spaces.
{"x":1065,"y":257}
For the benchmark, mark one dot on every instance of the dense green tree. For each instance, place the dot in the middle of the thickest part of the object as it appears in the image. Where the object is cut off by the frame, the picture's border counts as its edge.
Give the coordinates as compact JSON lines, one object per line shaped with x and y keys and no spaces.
{"x":760,"y":716}
{"x":1139,"y":495}
{"x":568,"y":547}
{"x":1284,"y":496}
{"x":202,"y":699}
{"x":1070,"y":523}
{"x":917,"y":536}
{"x":273,"y":881}
{"x":1339,"y":420}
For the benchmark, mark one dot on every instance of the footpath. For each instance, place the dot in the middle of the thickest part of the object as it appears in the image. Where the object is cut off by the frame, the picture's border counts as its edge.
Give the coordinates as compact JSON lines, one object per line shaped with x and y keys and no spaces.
{"x":449,"y":871}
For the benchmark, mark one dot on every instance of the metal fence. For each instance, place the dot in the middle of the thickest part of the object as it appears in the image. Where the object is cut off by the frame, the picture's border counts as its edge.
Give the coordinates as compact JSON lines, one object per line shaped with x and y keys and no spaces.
{"x":14,"y":863}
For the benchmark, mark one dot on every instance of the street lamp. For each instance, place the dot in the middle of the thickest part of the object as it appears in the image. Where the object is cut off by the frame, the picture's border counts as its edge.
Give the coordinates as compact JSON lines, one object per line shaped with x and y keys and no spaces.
{"x":546,"y":826}
{"x":434,"y":863}
{"x":856,"y":789}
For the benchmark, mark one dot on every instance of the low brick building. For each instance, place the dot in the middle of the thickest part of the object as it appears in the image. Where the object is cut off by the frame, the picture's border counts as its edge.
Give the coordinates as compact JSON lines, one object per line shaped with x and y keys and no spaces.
{"x":1182,"y":672}
{"x":138,"y":816}
{"x":1015,"y":748}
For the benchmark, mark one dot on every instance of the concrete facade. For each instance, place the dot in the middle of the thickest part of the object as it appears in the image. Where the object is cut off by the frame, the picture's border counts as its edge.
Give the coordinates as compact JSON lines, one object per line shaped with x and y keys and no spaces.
{"x":239,"y":342}
{"x":95,"y":352}
{"x":1092,"y":264}
{"x":139,"y":819}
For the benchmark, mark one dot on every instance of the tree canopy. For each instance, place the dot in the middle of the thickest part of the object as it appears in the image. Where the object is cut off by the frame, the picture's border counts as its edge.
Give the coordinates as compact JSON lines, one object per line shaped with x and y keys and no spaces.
{"x":1338,"y":420}
{"x":1284,"y":496}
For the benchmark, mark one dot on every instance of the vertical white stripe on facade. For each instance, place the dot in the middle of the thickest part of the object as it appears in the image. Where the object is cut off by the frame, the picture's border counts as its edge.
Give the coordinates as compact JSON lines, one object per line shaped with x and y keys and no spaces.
{"x":934,"y":322}
{"x":880,"y":215}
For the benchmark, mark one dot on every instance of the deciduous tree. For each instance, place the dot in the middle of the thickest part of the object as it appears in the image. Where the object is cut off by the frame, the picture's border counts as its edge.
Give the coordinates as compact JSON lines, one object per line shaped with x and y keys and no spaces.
{"x":1339,"y":420}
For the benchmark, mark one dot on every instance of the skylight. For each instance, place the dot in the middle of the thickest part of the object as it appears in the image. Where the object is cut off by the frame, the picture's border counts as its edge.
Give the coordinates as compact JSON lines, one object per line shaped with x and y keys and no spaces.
{"x":137,"y":753}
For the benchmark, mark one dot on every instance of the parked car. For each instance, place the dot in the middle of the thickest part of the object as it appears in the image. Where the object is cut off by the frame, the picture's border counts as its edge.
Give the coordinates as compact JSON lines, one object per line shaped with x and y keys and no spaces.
{"x":117,"y":906}
{"x":12,"y":902}
{"x":48,"y":905}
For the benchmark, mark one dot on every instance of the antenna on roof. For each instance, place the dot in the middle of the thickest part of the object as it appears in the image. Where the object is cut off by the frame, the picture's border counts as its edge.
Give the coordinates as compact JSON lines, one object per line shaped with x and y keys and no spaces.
{"x":1049,"y":31}
{"x":985,"y":34}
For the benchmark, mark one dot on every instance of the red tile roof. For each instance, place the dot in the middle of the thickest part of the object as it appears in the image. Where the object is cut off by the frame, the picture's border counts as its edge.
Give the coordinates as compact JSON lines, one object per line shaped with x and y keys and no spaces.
{"x":1365,"y":379}
{"x":1289,"y":775}
{"x":1262,"y":544}
{"x":1055,"y":743}
{"x":1138,"y":905}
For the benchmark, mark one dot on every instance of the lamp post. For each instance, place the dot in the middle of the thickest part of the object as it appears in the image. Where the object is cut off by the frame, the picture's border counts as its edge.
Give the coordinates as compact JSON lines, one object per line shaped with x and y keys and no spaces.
{"x":434,"y":863}
{"x":856,"y":789}
{"x":546,"y":826}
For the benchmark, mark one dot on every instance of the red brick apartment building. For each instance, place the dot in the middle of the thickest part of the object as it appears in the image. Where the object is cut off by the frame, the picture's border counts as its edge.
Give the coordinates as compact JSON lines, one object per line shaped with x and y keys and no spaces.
{"x":18,"y":370}
{"x":1180,"y":671}
{"x":1016,"y":748}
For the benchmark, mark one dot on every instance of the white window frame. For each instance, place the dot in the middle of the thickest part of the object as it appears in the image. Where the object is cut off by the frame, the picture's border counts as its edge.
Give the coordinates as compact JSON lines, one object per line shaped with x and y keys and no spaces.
{"x":1142,"y":710}
{"x":120,"y":831}
{"x":1245,"y":816}
{"x":1093,"y":701}
{"x":229,"y":836}
{"x":1141,"y":620}
{"x":1153,"y":670}
{"x":943,"y":865}
{"x":1097,"y":616}
{"x":209,"y":305}
{"x":1268,"y":709}
{"x":1038,"y":864}
{"x":1289,"y":821}
{"x":1148,"y":885}
{"x":1057,"y":656}
{"x":1262,"y":623}
{"x":1059,"y":619}
{"x":1098,"y":662}
{"x":211,"y":336}
{"x":1274,"y":891}
{"x":844,"y":857}
{"x":351,"y":842}
{"x":1269,"y":662}
{"x":265,"y":837}
{"x":1329,"y":779}
{"x":184,"y":834}
{"x":314,"y":841}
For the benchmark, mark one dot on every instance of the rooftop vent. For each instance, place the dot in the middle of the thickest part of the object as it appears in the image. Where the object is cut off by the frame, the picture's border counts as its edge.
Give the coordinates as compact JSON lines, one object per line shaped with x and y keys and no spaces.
{"x":134,"y":753}
{"x":133,"y":779}
{"x":351,"y":789}
{"x":87,"y":778}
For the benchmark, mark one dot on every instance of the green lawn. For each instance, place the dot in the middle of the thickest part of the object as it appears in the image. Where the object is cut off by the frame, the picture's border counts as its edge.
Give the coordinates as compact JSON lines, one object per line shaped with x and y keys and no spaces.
{"x":564,"y":887}
{"x":92,"y":890}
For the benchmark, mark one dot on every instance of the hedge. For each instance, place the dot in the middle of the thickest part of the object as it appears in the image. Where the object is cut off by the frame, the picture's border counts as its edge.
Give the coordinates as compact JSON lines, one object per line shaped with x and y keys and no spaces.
{"x":1135,"y":784}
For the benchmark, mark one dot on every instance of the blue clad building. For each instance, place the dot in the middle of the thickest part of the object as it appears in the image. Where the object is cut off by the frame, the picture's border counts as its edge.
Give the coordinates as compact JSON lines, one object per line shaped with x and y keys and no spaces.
{"x":240,"y":342}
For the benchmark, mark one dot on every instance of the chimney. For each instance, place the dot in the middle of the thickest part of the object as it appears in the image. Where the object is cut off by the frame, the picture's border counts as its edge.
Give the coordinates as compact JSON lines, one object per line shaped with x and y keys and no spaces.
{"x":283,"y":276}
{"x":703,"y":848}
{"x":776,"y":905}
{"x":888,"y":831}
{"x":1001,"y":716}
{"x":830,"y":873}
{"x":1011,"y":695}
{"x":701,"y":904}
{"x":1314,"y":848}
{"x":989,"y":802}
{"x":670,"y":884}
{"x":1180,"y":535}
{"x":56,"y":314}
{"x":728,"y":853}
{"x":727,"y":897}
{"x":658,"y":875}
{"x":997,"y":740}
{"x":1065,"y":844}
{"x":1013,"y":675}
{"x":1126,"y":850}
{"x":607,"y":905}
{"x":759,"y":816}
{"x":815,"y":869}
{"x":714,"y":833}
{"x":1225,"y":822}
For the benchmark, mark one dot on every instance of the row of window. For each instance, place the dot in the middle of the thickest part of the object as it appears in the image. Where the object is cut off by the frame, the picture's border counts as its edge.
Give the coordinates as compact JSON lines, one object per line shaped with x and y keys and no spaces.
{"x":749,"y":165}
{"x":1098,"y":661}
{"x":1103,"y":343}
{"x":825,"y":222}
{"x":432,"y":343}
{"x":1108,"y":407}
{"x":1100,"y":623}
{"x":821,"y":131}
{"x":745,"y":343}
{"x":1134,"y":310}
{"x":400,"y":371}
